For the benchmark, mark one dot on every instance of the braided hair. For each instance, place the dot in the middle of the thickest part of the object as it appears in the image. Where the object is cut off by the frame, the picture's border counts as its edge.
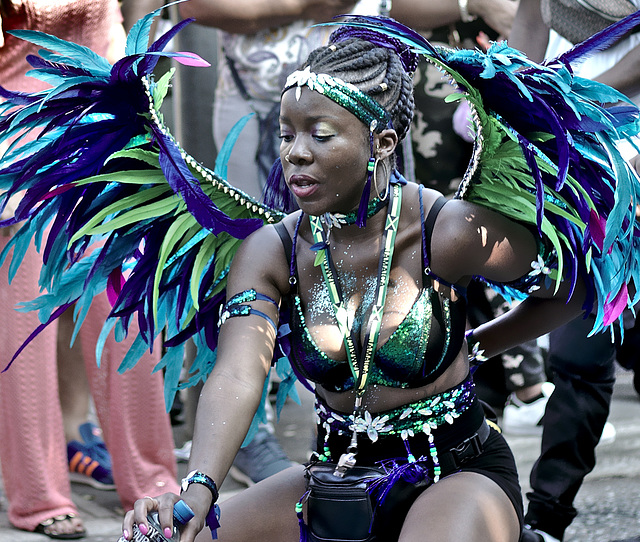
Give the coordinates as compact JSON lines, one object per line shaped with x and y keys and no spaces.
{"x":378,"y":65}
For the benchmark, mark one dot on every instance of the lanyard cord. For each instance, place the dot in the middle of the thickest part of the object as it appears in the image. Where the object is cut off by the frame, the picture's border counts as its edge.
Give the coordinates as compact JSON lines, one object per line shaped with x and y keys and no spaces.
{"x":360,"y":359}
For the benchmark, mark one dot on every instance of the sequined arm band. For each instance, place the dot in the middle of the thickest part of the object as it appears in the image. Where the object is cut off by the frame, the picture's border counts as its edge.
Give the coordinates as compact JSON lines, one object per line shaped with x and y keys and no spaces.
{"x":237,"y":306}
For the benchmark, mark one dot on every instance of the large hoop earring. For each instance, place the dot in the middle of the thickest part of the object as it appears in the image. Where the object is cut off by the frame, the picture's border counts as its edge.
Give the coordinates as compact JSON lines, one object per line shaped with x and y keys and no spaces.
{"x":375,"y":182}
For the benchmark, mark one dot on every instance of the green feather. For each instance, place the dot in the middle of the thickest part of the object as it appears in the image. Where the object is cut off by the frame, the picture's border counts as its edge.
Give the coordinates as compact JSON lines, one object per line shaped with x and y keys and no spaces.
{"x":179,"y":227}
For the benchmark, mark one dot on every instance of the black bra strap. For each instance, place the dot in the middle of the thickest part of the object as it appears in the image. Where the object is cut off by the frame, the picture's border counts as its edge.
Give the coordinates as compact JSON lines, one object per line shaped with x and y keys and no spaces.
{"x":428,"y":225}
{"x":287,"y":244}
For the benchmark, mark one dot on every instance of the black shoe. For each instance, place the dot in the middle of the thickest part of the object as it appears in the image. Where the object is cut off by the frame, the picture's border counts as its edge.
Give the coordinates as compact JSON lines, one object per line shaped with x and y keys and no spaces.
{"x":530,"y":536}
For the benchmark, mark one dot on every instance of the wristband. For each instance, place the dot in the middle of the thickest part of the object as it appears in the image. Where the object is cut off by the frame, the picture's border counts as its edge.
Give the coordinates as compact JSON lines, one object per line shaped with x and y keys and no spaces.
{"x":465,"y":16}
{"x":469,"y":335}
{"x":213,"y":517}
{"x":197,"y":477}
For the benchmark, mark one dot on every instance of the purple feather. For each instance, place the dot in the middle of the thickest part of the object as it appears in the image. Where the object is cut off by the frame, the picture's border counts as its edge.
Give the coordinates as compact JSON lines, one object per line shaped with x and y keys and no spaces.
{"x":56,"y":68}
{"x":361,"y":218}
{"x":19,"y":98}
{"x":37,"y":331}
{"x":276,"y":194}
{"x":115,"y":282}
{"x":149,"y":62}
{"x":613,"y":308}
{"x":367,"y":32}
{"x":393,"y":28}
{"x":597,"y":226}
{"x":184,"y":184}
{"x":412,"y":472}
{"x":601,"y":40}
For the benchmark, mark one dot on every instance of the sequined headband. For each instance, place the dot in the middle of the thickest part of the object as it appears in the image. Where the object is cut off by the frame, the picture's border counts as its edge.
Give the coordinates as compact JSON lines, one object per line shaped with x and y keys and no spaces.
{"x":345,"y":94}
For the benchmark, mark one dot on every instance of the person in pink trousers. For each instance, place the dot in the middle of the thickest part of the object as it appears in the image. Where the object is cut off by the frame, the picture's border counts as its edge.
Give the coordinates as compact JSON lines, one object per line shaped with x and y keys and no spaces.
{"x":130,"y":406}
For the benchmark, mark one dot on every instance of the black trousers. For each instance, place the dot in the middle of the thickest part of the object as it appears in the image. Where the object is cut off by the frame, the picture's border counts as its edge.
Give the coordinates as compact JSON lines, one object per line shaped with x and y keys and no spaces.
{"x":583,"y":372}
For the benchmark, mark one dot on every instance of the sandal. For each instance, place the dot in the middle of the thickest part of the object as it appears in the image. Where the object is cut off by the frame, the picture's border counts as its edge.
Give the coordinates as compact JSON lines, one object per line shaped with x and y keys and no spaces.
{"x":45,"y":528}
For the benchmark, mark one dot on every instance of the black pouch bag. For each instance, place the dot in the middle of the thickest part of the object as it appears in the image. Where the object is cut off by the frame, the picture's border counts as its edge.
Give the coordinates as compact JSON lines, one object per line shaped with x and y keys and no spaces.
{"x":340,"y":509}
{"x":343,"y":509}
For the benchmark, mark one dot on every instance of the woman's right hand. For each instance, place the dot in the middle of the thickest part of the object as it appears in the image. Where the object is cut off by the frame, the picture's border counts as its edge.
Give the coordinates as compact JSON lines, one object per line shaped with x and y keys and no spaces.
{"x":498,"y":14}
{"x":163,"y":504}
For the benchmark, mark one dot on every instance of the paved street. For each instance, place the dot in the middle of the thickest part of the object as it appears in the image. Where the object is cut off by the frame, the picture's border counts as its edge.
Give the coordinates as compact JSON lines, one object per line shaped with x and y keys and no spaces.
{"x":609,"y":501}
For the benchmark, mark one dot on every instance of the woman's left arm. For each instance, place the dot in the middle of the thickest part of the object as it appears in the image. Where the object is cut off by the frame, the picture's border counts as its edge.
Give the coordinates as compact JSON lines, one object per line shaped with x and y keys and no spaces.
{"x":470,"y":240}
{"x":529,"y":319}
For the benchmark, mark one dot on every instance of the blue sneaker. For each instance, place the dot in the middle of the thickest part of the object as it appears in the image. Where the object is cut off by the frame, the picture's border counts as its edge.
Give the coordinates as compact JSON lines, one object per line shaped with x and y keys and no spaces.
{"x":92,"y":436}
{"x":90,"y":462}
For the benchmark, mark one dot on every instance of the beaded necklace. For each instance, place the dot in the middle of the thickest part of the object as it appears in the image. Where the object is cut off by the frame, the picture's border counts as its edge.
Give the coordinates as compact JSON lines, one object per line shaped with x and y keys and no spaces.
{"x":339,"y":219}
{"x":359,"y":358}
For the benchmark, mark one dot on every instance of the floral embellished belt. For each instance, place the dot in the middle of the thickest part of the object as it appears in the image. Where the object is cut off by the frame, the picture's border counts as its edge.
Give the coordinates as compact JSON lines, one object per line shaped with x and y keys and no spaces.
{"x":422,"y":416}
{"x":420,"y":419}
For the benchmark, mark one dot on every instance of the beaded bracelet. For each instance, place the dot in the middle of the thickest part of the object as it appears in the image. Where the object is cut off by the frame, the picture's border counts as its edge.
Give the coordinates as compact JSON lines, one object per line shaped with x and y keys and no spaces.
{"x":197,"y":477}
{"x":213,"y":517}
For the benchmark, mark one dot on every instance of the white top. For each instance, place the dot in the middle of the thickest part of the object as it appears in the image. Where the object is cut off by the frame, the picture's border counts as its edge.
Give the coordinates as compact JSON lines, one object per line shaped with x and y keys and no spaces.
{"x":264,"y":60}
{"x":600,"y":62}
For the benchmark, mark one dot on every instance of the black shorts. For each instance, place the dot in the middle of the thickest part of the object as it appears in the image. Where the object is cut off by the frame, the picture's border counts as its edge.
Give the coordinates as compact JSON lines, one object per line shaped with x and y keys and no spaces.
{"x":495,"y":461}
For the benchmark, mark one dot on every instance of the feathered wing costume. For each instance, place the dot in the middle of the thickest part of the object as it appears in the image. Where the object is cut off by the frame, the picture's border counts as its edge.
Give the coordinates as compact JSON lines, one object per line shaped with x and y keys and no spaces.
{"x":114,"y":203}
{"x":547,"y":153}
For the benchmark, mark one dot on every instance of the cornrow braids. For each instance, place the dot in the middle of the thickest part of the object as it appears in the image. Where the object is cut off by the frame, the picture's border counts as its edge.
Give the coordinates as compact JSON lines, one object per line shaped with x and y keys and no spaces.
{"x":378,"y":71}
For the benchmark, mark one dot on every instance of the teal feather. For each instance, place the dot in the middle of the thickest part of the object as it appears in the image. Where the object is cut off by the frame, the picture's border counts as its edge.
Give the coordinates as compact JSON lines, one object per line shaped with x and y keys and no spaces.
{"x":172,"y":361}
{"x":260,"y":416}
{"x":82,"y":306}
{"x":102,"y":338}
{"x":67,"y":52}
{"x":222,"y":159}
{"x":138,"y":37}
{"x":203,"y":361}
{"x":133,"y":355}
{"x":286,"y":387}
{"x":19,"y":243}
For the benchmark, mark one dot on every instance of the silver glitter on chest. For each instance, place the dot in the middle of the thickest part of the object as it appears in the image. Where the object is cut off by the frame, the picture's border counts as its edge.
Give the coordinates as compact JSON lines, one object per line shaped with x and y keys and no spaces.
{"x":360,"y":294}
